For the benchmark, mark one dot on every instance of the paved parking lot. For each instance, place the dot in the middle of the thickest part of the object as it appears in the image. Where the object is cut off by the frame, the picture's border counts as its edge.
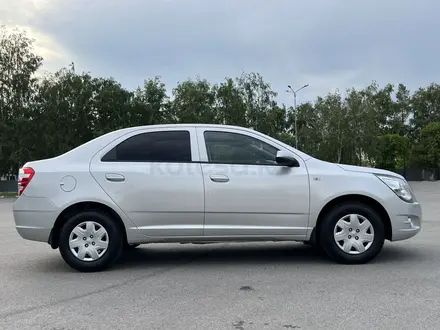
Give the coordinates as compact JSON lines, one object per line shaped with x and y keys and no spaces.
{"x":225,"y":286}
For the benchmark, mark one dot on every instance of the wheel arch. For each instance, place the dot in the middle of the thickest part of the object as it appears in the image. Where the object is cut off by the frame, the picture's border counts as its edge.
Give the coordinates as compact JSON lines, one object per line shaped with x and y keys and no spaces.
{"x":81,"y":207}
{"x":366,"y":200}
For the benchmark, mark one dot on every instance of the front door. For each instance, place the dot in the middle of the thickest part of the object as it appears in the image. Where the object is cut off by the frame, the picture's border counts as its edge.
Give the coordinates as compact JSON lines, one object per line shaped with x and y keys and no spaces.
{"x":246,"y":192}
{"x":154,"y":176}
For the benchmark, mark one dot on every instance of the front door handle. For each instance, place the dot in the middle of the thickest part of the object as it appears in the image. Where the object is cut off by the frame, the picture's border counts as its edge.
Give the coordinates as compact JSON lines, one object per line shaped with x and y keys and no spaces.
{"x":114,"y":177}
{"x":219,"y":178}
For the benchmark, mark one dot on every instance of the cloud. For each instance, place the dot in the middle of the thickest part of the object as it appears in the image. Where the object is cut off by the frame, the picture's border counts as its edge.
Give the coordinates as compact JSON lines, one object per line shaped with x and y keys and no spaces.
{"x":328,"y":44}
{"x":19,"y":14}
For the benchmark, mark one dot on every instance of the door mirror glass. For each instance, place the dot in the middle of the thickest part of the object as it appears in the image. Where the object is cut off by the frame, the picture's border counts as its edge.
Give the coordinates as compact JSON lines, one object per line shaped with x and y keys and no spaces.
{"x":286,"y":159}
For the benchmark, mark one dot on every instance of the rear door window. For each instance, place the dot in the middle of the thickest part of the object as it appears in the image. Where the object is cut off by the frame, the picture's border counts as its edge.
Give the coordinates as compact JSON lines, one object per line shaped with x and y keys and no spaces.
{"x":163,"y":146}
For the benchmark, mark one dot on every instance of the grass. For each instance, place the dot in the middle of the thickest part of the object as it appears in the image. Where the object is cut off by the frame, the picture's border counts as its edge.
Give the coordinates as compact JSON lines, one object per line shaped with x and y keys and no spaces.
{"x":8,"y":194}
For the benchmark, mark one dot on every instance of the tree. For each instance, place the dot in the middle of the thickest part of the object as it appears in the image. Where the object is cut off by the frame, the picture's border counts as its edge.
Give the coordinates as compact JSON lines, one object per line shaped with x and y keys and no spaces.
{"x":230,"y":106}
{"x":371,"y":120}
{"x":151,"y":104}
{"x":260,"y":104}
{"x":112,"y":106}
{"x":392,"y":151}
{"x":331,"y":119}
{"x":64,"y":112}
{"x":18,"y":65}
{"x":426,"y":108}
{"x":193,"y":102}
{"x":398,"y":120}
{"x":309,"y":128}
{"x":426,"y":153}
{"x":71,"y":108}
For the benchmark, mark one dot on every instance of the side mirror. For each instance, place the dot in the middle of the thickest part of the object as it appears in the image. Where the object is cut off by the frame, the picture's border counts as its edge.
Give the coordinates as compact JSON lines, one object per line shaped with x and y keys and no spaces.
{"x":286,"y":159}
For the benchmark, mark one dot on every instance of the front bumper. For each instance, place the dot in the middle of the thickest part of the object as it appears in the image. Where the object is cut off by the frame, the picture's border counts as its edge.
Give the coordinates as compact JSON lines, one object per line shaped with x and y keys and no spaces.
{"x":407,"y":221}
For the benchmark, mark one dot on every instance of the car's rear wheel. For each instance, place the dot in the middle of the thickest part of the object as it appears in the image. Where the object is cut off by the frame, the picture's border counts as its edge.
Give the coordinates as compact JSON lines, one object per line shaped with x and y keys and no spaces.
{"x":90,"y":241}
{"x":352,"y":233}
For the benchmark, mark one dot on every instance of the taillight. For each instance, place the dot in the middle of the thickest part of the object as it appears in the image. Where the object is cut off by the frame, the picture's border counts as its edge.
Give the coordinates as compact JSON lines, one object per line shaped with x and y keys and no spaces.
{"x":25,"y":176}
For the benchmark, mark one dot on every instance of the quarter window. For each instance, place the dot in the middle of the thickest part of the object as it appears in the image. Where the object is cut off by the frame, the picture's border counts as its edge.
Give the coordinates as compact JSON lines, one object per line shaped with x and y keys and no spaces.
{"x":235,"y":148}
{"x":165,"y":146}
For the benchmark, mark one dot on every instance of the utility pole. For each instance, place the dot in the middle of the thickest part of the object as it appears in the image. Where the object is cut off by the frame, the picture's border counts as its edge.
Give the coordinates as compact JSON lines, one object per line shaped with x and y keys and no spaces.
{"x":291,"y":90}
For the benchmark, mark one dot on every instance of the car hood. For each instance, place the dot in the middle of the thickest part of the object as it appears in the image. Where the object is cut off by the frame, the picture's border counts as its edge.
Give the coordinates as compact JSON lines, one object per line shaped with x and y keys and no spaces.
{"x":373,"y":170}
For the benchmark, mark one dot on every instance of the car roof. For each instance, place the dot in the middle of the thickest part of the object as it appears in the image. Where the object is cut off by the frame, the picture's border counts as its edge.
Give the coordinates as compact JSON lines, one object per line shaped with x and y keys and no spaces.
{"x":186,"y":125}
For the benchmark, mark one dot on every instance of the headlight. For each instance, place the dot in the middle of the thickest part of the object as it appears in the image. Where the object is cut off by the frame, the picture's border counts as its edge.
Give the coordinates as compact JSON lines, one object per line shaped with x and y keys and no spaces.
{"x":400,"y":187}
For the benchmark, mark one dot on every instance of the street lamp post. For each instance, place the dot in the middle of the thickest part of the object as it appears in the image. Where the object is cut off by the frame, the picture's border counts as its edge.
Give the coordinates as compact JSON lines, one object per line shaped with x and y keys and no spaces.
{"x":291,"y":90}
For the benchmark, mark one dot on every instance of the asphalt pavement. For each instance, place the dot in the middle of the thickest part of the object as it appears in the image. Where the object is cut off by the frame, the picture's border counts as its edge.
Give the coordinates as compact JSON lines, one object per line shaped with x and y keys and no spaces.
{"x":225,"y":286}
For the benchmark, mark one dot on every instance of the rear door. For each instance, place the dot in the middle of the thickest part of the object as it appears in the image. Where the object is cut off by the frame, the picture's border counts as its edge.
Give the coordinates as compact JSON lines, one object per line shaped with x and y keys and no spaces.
{"x":155,"y":177}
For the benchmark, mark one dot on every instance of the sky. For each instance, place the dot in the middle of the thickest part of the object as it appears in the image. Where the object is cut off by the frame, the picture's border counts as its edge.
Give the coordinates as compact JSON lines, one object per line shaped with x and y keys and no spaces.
{"x":328,"y":44}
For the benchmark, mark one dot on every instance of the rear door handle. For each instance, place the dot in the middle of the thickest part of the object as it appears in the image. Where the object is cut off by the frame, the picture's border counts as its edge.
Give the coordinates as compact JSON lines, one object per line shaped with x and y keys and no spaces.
{"x":114,"y":177}
{"x":218,"y":178}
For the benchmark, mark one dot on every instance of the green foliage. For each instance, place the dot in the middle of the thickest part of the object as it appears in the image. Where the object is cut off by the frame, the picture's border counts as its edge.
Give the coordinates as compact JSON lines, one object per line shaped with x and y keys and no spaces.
{"x":149,"y":105}
{"x":426,"y":152}
{"x":43,"y":117}
{"x":194,"y":101}
{"x":230,"y":106}
{"x":426,"y":107}
{"x":392,"y":151}
{"x":18,"y":84}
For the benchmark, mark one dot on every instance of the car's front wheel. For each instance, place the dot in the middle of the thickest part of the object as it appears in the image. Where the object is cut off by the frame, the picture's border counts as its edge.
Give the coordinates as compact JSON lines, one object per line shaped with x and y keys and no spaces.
{"x":352,"y":233}
{"x":90,"y":241}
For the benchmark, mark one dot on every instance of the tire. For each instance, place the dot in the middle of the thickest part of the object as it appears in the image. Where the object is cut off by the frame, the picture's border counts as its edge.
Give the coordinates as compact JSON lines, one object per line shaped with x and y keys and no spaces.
{"x":103,"y":258}
{"x":354,"y":254}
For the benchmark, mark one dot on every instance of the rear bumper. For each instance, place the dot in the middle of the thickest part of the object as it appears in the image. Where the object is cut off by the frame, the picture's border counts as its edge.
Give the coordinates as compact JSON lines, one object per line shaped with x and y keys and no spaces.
{"x":407,"y":221}
{"x":34,"y":218}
